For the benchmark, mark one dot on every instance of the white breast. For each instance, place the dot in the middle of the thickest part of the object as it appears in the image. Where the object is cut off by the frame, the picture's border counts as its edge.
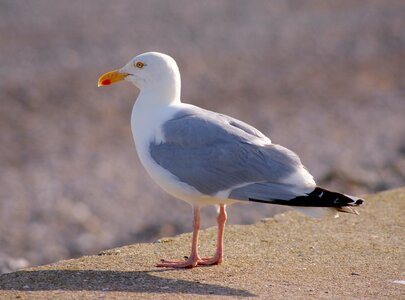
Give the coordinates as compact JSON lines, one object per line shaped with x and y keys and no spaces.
{"x":146,"y":124}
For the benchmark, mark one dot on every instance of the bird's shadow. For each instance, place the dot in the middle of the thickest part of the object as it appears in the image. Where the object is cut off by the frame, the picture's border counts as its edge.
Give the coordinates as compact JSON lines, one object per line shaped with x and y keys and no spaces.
{"x":96,"y":280}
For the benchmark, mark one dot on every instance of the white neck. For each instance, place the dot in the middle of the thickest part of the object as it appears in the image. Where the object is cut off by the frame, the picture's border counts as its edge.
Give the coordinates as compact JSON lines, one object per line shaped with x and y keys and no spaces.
{"x":162,"y":91}
{"x":155,"y":103}
{"x":156,"y":97}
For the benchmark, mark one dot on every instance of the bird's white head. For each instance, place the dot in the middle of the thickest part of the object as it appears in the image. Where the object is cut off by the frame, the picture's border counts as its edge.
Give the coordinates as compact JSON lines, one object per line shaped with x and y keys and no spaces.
{"x":151,"y":72}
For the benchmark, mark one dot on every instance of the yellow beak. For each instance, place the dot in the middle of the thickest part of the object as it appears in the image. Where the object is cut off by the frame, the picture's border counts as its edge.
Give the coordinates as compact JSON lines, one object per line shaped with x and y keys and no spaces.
{"x":111,"y":77}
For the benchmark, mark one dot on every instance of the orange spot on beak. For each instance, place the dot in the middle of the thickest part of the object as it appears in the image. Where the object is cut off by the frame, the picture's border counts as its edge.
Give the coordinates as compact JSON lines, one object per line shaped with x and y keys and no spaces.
{"x":106,"y":82}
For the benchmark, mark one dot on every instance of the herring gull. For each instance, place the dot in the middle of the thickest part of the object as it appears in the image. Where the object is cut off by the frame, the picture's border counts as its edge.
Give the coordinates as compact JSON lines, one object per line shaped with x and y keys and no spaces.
{"x":207,"y":158}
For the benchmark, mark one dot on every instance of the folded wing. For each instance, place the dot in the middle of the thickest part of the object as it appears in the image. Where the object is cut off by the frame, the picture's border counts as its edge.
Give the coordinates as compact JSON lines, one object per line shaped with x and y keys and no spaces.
{"x":216,"y":153}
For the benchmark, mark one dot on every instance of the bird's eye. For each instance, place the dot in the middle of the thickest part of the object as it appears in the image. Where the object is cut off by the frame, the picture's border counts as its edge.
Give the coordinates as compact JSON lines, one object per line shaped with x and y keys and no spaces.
{"x":139,"y":65}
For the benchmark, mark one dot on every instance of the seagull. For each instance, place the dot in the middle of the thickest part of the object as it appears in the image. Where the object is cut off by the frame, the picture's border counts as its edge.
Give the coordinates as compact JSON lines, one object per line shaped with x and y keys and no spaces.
{"x":207,"y":158}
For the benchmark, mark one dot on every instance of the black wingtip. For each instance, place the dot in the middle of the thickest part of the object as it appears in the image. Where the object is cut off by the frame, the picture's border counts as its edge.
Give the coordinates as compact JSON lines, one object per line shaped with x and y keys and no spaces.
{"x":319,"y":197}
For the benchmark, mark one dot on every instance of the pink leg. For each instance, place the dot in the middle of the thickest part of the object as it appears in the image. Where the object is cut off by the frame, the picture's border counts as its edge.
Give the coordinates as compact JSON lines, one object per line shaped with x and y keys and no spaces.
{"x":193,"y":259}
{"x":217,"y":258}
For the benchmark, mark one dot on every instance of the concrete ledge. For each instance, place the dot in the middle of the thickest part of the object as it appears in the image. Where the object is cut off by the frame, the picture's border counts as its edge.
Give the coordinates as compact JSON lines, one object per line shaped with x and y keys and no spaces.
{"x":286,"y":257}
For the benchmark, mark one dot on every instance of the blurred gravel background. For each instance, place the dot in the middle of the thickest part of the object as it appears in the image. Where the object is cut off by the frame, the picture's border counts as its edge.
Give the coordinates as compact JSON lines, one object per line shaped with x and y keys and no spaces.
{"x":323,"y":78}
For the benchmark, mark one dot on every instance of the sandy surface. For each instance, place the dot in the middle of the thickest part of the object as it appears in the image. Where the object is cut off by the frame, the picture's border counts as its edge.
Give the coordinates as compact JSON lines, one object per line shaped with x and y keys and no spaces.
{"x":286,"y":257}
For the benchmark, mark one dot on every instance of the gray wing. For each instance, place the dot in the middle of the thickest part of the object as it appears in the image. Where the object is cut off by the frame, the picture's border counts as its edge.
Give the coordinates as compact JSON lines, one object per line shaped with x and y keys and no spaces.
{"x":214,"y":152}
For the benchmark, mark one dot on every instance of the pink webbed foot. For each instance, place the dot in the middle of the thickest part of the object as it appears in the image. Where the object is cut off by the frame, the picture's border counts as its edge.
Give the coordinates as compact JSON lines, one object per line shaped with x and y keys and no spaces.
{"x":210,"y":261}
{"x":190,"y":262}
